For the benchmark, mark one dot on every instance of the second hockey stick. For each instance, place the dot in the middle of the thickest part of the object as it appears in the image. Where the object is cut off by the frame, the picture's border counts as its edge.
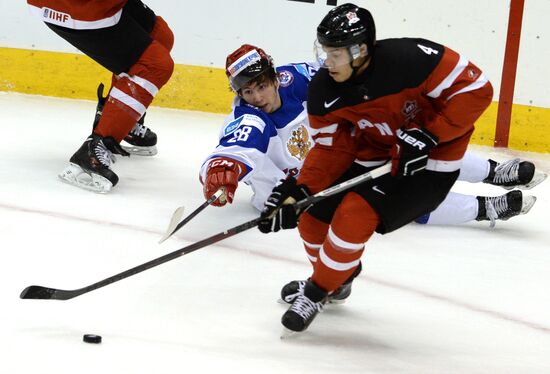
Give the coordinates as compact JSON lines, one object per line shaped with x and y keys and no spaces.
{"x":175,"y":223}
{"x":46,"y":293}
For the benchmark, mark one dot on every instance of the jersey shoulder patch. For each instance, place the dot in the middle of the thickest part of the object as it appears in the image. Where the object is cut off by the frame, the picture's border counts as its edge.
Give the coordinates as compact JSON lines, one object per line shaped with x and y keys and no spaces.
{"x":232,"y":126}
{"x":285,"y":78}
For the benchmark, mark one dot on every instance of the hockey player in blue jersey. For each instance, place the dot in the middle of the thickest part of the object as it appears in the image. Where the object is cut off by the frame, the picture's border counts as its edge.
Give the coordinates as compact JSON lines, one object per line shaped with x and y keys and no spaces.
{"x":267,"y":136}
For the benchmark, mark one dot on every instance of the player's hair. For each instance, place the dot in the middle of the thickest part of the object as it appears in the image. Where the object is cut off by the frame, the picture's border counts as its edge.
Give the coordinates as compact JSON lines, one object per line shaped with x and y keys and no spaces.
{"x":269,"y":76}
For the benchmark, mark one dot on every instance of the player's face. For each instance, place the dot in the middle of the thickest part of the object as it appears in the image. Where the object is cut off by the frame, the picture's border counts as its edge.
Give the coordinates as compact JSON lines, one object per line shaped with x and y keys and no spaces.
{"x":339,"y":60}
{"x":263,"y":95}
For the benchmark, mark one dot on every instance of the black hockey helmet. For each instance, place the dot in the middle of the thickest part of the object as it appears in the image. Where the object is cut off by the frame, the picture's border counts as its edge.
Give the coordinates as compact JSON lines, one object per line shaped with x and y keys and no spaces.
{"x":347,"y":25}
{"x":246,"y":63}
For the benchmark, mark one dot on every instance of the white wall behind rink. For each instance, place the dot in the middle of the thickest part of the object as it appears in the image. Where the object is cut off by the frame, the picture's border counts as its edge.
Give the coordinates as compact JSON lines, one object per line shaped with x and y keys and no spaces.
{"x":207,"y":30}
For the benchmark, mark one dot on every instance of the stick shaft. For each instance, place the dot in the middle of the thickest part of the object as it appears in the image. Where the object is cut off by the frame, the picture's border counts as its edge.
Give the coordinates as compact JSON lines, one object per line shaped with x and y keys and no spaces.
{"x":39,"y":292}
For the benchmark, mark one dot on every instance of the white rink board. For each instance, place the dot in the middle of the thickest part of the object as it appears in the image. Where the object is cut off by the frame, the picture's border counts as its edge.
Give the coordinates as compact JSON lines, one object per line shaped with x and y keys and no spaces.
{"x":207,"y":30}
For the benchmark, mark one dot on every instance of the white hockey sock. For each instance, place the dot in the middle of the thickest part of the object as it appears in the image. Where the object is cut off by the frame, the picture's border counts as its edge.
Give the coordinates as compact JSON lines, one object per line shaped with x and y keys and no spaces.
{"x":454,"y":210}
{"x":474,"y":168}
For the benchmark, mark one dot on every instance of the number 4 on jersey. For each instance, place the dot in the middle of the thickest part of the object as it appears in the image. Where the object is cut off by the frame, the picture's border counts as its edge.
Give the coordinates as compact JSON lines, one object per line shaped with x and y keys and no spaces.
{"x":427,"y":50}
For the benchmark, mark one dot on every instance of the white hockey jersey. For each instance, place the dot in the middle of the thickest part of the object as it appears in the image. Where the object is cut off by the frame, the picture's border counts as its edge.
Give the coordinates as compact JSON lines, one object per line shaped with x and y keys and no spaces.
{"x":273,"y":145}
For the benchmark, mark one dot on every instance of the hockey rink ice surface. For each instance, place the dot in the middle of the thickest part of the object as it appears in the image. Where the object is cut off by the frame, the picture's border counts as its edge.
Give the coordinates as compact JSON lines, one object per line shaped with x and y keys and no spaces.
{"x":466,"y":299}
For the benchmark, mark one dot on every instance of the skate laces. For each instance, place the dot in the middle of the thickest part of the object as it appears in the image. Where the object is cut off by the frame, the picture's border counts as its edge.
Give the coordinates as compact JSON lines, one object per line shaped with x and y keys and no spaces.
{"x":491,"y":212}
{"x":103,"y":154}
{"x":507,"y":172}
{"x":300,"y":291}
{"x":305,"y":308}
{"x":139,"y":130}
{"x":496,"y":207}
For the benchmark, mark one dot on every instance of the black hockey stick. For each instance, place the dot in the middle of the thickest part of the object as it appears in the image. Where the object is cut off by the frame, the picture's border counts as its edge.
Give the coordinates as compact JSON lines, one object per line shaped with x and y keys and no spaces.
{"x":39,"y":292}
{"x":175,"y":223}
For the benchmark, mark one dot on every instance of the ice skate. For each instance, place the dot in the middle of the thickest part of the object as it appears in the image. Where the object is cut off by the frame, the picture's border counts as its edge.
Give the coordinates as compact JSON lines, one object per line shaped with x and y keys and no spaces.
{"x":304,"y":308}
{"x":89,"y":167}
{"x":140,"y":141}
{"x":293,"y":289}
{"x":514,"y":173}
{"x":504,"y":207}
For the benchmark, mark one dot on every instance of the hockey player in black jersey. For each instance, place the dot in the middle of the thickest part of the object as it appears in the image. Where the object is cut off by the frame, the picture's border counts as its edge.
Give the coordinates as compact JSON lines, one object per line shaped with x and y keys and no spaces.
{"x":411,"y":102}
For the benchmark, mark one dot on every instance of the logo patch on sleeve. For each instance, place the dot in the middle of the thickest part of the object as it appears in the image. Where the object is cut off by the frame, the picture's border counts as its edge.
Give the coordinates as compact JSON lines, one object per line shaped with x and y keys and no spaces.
{"x":285,"y":78}
{"x":232,"y":126}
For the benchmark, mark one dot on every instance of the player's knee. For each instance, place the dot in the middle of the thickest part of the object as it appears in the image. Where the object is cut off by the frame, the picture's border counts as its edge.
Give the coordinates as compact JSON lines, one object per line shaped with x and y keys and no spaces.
{"x":355,"y":220}
{"x":163,"y":34}
{"x":165,"y":68}
{"x":155,"y":65}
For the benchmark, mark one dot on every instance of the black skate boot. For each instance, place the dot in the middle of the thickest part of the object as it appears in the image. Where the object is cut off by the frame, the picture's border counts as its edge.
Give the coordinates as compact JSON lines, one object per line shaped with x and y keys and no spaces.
{"x":90,"y":165}
{"x":340,"y":295}
{"x":514,"y":173}
{"x":141,"y":141}
{"x":304,"y":308}
{"x":493,"y":208}
{"x":292,"y":290}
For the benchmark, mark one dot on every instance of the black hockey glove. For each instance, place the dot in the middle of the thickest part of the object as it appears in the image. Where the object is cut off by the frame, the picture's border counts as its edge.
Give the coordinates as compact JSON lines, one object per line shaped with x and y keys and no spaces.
{"x":410,"y":153}
{"x":279,"y":212}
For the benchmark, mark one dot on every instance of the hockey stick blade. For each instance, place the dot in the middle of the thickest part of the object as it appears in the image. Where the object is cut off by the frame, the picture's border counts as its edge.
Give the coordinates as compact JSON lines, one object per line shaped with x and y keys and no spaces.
{"x":176,"y":217}
{"x":39,"y":292}
{"x":175,"y":223}
{"x":46,"y":293}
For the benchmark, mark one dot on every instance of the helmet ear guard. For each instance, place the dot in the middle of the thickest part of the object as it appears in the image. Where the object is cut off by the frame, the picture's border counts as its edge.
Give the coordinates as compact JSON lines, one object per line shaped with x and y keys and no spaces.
{"x":354,"y":51}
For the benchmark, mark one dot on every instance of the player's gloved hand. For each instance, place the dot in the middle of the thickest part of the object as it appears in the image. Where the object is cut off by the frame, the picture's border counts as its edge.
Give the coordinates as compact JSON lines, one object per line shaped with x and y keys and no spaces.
{"x":222,"y":173}
{"x":410,"y":153}
{"x":279,"y":212}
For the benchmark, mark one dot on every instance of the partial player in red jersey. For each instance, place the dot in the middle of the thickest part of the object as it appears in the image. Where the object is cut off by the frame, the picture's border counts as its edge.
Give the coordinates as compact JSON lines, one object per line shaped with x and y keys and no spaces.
{"x":411,"y":102}
{"x":128,"y":39}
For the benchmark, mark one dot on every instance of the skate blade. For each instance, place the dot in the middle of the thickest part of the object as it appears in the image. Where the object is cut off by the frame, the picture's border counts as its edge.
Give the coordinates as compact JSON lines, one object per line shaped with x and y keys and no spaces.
{"x":76,"y":176}
{"x":288,"y":334}
{"x":329,"y":302}
{"x":139,"y":151}
{"x":538,"y":178}
{"x":336,"y":302}
{"x":527,"y":204}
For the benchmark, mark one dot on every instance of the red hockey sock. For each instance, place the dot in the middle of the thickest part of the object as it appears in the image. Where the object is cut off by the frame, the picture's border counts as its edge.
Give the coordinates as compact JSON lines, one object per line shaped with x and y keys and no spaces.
{"x":352,"y":225}
{"x":133,"y":92}
{"x":313,"y":233}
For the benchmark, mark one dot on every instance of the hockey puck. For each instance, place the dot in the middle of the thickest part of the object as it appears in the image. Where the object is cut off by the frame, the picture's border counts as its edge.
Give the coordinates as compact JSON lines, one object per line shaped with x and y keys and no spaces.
{"x":91,"y":338}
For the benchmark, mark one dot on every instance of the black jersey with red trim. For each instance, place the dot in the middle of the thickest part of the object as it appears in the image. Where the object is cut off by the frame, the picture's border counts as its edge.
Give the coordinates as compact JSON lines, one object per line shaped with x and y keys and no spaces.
{"x":408,"y":82}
